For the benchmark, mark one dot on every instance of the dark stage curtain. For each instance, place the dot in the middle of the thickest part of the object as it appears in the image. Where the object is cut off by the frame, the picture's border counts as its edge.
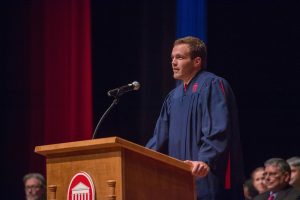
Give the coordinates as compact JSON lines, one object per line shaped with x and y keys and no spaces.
{"x":132,"y":40}
{"x":191,"y":18}
{"x":61,"y":69}
{"x":48,"y":82}
{"x":60,"y":72}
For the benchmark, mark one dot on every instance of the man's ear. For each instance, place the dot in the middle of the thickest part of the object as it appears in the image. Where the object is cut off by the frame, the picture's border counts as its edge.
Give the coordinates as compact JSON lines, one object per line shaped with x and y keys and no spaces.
{"x":287,"y":177}
{"x":198,"y":62}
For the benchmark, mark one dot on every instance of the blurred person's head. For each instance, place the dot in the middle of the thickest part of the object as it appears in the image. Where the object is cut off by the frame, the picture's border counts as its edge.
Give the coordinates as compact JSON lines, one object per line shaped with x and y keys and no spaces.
{"x":249,"y":190}
{"x":294,"y":163}
{"x":277,"y":174}
{"x":258,"y":179}
{"x":34,"y":184}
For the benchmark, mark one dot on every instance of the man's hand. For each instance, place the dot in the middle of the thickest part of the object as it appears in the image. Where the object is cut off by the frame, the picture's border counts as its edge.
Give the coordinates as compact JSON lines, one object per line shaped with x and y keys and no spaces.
{"x":199,"y":168}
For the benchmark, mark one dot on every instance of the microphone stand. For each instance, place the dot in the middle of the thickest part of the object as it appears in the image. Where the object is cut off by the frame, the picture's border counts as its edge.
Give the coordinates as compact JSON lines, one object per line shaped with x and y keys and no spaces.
{"x":115,"y":102}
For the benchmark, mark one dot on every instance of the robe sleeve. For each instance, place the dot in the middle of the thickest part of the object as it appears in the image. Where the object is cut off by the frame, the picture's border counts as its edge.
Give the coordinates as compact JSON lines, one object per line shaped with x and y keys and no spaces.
{"x":161,"y":131}
{"x":215,"y":120}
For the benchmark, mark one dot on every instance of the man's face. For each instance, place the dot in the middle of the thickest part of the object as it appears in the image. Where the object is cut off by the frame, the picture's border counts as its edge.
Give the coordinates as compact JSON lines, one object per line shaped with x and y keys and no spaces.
{"x":295,"y":176}
{"x":184,"y":68}
{"x":276,"y":179}
{"x":33,"y":189}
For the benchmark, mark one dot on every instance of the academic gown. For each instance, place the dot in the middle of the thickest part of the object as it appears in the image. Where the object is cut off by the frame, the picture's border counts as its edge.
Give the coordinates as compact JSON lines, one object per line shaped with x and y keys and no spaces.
{"x":200,"y":123}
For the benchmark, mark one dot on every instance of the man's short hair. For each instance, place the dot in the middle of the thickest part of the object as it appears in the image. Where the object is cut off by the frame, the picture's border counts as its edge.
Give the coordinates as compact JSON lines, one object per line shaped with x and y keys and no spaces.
{"x":280,"y":163}
{"x":197,"y":48}
{"x":38,"y":176}
{"x":294,"y":161}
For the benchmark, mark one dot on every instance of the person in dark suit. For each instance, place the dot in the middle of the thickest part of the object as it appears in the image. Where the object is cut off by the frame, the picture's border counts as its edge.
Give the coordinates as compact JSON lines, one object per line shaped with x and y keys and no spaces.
{"x":277,"y":177}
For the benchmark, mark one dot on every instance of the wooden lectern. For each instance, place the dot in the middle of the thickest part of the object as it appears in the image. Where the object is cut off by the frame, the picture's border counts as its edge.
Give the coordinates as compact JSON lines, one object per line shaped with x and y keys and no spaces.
{"x":119,"y":169}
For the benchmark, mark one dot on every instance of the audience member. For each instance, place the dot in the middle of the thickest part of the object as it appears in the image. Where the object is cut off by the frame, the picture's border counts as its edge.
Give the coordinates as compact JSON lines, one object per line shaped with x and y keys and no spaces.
{"x":258,"y":179}
{"x":277,"y":177}
{"x":294,"y":163}
{"x":249,"y":190}
{"x":35,"y":186}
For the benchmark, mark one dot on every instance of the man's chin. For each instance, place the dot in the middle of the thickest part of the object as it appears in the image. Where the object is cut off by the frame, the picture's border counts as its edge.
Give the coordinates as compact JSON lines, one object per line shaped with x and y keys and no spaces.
{"x":32,"y":198}
{"x":176,"y":76}
{"x":270,"y":187}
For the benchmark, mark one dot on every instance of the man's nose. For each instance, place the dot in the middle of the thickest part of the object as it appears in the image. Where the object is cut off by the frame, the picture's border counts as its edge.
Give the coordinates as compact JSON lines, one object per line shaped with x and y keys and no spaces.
{"x":174,"y":62}
{"x":30,"y":190}
{"x":267,"y":177}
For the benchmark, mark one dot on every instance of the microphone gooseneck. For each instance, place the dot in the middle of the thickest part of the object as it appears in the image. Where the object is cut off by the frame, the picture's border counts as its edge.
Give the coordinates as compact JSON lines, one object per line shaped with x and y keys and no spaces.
{"x":116,"y":93}
{"x":115,"y":102}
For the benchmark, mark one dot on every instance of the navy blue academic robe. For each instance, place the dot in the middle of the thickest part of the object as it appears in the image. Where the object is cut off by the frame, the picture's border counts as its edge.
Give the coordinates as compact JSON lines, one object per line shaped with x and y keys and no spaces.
{"x":200,"y":123}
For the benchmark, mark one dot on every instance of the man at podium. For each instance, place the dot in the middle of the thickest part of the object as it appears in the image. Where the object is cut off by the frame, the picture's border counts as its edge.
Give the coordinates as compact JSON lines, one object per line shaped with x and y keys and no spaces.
{"x":198,"y":124}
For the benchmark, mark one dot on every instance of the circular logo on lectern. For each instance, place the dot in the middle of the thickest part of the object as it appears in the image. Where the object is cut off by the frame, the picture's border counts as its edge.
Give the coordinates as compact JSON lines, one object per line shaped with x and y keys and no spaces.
{"x":81,"y":187}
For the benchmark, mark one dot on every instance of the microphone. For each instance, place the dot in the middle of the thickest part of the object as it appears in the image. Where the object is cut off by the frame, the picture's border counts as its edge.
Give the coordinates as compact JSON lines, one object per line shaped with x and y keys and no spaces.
{"x":123,"y":89}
